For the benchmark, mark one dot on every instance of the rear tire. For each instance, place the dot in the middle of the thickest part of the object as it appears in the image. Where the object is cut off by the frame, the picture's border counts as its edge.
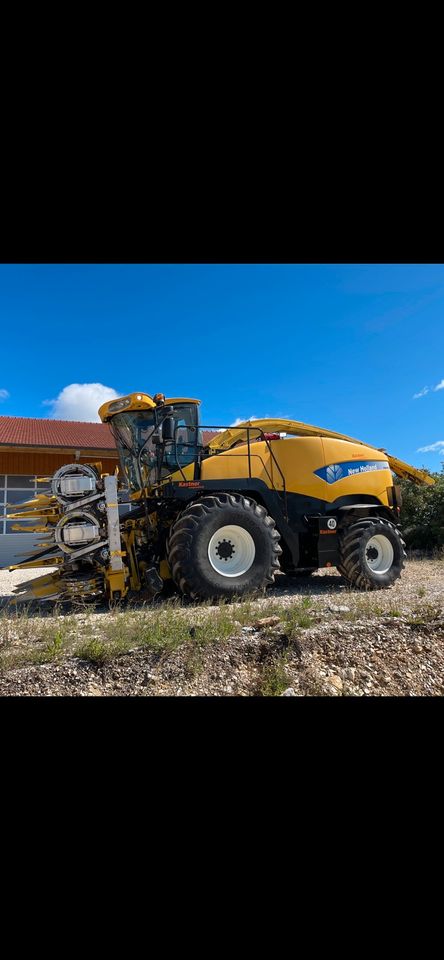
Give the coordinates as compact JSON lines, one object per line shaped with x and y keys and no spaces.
{"x":371,"y":554}
{"x":223,"y":546}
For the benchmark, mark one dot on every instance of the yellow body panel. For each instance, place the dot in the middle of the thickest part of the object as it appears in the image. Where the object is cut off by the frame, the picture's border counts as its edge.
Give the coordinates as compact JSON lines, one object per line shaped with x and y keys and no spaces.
{"x":234,"y":463}
{"x":298,"y":458}
{"x":225,"y":440}
{"x":373,"y":483}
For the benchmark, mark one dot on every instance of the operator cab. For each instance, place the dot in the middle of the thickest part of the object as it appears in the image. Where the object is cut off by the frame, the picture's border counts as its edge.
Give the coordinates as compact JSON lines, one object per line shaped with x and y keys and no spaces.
{"x":155,"y":437}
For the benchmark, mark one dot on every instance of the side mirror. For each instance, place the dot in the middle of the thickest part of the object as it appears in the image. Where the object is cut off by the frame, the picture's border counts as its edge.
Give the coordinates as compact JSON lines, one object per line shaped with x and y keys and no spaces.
{"x":168,"y":428}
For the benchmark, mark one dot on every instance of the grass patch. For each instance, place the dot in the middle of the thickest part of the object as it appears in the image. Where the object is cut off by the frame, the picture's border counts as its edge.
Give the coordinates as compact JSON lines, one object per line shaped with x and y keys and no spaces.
{"x":162,"y":632}
{"x":194,"y":661}
{"x":274,"y":679}
{"x":17,"y":622}
{"x":298,"y":616}
{"x":26,"y":638}
{"x":55,"y":644}
{"x":423,"y":614}
{"x":293,"y":616}
{"x":364,"y":607}
{"x":98,"y":652}
{"x":23,"y":658}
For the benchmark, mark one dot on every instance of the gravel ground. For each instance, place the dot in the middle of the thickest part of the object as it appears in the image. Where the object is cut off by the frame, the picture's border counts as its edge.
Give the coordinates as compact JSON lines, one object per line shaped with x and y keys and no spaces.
{"x":318,"y":637}
{"x":10,"y":580}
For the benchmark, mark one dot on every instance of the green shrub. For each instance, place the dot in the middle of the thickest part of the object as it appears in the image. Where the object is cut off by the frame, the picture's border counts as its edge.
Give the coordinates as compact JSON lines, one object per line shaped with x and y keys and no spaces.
{"x":422,"y":514}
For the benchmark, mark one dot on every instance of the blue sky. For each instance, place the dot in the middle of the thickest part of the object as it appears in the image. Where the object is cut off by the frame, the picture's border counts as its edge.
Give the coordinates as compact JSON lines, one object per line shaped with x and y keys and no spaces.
{"x":341,"y":346}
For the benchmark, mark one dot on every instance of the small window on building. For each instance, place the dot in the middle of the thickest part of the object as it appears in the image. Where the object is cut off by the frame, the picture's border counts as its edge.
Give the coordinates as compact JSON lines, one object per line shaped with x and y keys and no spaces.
{"x":17,"y":482}
{"x":43,"y":488}
{"x":18,"y":496}
{"x":16,"y":490}
{"x":2,"y":482}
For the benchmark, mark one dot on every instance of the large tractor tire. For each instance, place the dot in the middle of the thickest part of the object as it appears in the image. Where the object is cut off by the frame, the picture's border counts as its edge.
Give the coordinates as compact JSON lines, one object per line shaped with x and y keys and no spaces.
{"x":371,"y":554}
{"x":223,"y":546}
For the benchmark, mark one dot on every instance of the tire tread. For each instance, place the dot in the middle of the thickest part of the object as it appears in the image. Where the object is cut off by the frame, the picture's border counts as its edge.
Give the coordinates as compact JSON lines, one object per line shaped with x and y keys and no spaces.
{"x":349,"y":549}
{"x":180,"y":540}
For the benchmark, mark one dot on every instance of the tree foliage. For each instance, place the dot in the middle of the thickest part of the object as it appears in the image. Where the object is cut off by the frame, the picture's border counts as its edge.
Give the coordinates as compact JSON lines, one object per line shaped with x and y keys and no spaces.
{"x":422,"y":513}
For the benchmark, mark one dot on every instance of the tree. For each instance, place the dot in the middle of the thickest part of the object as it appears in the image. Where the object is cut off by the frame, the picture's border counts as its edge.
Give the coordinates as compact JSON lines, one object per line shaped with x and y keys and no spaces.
{"x":422,"y":513}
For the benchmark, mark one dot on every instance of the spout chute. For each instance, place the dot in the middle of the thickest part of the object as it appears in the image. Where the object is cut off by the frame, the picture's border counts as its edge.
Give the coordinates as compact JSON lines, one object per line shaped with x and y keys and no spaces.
{"x":228,"y":438}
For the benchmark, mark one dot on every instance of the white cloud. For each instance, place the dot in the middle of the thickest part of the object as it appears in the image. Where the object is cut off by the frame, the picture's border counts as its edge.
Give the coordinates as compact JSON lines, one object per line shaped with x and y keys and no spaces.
{"x":239,"y":420}
{"x":4,"y":394}
{"x":236,"y":423}
{"x":437,"y":447}
{"x":245,"y":420}
{"x":421,"y":393}
{"x":81,"y":401}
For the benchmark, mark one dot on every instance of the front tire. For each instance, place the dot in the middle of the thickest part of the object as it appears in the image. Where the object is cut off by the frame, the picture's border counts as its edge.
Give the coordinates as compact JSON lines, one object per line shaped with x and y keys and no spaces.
{"x":223,"y":546}
{"x":371,"y":554}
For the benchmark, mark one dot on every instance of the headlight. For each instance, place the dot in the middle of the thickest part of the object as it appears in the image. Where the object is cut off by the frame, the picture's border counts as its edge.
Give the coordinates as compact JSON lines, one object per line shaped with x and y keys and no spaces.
{"x":119,"y":405}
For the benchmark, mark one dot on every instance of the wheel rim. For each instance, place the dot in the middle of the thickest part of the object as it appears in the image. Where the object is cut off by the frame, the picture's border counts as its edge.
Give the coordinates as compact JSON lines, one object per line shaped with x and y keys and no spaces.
{"x":231,"y":551}
{"x":379,"y":554}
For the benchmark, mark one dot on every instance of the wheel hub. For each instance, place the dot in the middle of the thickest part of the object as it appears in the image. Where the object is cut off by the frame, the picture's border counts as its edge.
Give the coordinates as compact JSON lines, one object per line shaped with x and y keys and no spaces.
{"x":225,"y":549}
{"x":372,"y":553}
{"x":231,"y":550}
{"x":379,"y":554}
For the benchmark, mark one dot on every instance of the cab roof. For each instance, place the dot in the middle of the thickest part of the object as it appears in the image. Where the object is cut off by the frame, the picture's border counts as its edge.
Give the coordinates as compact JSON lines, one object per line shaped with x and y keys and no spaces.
{"x":139,"y":401}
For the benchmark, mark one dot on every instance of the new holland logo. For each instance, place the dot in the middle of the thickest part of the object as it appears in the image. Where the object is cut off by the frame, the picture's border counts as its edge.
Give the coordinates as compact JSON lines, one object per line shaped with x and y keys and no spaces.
{"x":352,"y":468}
{"x":334,"y":472}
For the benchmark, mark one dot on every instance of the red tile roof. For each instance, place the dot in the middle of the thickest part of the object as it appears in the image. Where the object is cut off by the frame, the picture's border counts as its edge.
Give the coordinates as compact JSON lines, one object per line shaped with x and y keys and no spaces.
{"x":208,"y":435}
{"x":33,"y":432}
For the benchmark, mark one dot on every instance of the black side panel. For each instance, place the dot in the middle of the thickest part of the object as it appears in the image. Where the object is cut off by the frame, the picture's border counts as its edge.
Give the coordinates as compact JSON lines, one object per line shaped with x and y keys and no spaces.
{"x":290,"y":513}
{"x":257,"y":489}
{"x":353,"y":500}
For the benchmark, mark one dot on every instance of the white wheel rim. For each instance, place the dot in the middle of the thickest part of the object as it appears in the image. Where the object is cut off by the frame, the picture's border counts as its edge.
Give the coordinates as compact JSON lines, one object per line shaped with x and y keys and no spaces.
{"x":379,"y":554}
{"x":231,"y":551}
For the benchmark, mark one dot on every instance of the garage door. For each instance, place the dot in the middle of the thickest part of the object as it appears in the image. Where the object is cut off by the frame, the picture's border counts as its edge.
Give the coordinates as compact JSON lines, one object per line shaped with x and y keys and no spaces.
{"x":14,"y":490}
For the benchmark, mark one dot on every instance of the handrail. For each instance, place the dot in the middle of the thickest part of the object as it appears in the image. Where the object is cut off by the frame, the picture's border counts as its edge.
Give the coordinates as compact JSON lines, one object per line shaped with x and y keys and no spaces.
{"x":282,"y":476}
{"x":260,"y":437}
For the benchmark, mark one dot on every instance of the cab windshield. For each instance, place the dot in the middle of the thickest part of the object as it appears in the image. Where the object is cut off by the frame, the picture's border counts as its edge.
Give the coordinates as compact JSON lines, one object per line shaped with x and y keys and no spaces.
{"x":146,"y":457}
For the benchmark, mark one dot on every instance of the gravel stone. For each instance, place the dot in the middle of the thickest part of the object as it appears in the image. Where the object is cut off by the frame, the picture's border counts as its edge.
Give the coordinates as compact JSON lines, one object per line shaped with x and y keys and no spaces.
{"x":391,"y":645}
{"x":334,"y":684}
{"x":266,"y":622}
